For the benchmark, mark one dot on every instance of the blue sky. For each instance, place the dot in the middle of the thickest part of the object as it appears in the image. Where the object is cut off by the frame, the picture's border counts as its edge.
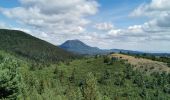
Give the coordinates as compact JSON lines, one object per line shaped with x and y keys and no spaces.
{"x":125,"y":24}
{"x":9,"y":3}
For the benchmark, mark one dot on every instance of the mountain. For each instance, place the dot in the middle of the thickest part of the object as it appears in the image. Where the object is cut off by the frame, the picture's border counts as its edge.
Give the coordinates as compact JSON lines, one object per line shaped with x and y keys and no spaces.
{"x":79,"y":47}
{"x":25,"y":45}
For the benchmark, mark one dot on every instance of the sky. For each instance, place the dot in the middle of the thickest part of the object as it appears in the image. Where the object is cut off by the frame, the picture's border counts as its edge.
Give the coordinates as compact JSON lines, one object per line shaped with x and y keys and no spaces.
{"x":142,"y":25}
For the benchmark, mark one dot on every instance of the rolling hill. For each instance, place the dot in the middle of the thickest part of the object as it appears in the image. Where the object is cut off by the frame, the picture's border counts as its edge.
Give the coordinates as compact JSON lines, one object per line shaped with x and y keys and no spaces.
{"x":25,"y":45}
{"x":144,"y":63}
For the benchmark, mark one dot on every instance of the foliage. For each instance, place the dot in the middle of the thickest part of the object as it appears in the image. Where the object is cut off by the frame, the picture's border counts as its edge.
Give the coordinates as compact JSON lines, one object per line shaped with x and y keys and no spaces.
{"x":9,"y":78}
{"x":82,"y":79}
{"x":90,"y":89}
{"x":27,"y":46}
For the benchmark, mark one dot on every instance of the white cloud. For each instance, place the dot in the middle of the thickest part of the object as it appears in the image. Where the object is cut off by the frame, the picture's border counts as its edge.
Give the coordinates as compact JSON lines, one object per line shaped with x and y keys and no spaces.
{"x":135,"y":29}
{"x":104,"y":26}
{"x":160,"y":5}
{"x":2,"y":25}
{"x":54,"y":16}
{"x":153,"y":9}
{"x":158,"y":27}
{"x":114,"y":32}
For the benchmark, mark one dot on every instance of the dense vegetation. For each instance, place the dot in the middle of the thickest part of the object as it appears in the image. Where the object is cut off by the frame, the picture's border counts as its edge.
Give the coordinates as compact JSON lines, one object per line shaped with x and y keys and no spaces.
{"x":94,"y":78}
{"x":23,"y":76}
{"x":27,"y":46}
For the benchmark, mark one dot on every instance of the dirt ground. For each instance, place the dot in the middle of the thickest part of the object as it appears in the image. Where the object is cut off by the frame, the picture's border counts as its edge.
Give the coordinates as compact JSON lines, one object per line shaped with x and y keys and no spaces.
{"x":146,"y":64}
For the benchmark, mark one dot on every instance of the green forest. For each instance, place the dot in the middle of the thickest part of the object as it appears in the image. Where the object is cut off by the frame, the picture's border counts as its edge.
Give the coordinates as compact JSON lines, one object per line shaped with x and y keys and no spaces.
{"x":94,"y":78}
{"x":32,"y":69}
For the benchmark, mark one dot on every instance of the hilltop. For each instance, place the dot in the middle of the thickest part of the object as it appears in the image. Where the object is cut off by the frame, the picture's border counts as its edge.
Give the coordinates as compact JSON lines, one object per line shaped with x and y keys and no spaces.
{"x":25,"y":45}
{"x":144,"y":63}
{"x":79,"y":47}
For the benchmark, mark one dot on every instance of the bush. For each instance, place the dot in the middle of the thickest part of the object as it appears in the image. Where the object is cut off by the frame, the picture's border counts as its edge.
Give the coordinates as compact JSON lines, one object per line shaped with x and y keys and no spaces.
{"x":106,"y":60}
{"x":119,"y":79}
{"x":167,"y":88}
{"x":128,"y":72}
{"x":168,"y":64}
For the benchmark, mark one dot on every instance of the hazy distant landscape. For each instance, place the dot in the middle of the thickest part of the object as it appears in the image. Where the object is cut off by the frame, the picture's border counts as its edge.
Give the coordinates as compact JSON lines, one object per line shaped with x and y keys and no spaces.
{"x":84,"y":50}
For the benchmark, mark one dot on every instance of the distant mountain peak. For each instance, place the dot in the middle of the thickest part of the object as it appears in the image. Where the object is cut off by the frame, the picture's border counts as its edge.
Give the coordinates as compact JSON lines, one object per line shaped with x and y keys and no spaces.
{"x":78,"y":46}
{"x":74,"y":44}
{"x":76,"y":41}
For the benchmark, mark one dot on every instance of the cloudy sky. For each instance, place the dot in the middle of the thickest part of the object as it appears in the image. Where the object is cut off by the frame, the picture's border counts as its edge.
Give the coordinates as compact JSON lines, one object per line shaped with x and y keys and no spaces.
{"x":125,"y":24}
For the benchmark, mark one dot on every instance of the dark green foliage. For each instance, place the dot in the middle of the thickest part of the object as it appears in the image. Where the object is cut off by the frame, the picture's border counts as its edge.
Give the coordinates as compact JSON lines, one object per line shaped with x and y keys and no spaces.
{"x":9,"y":78}
{"x":30,"y":47}
{"x":167,"y":88}
{"x":106,"y":60}
{"x":139,"y":79}
{"x":105,"y":77}
{"x":109,"y":60}
{"x":168,"y":64}
{"x":129,"y":72}
{"x":72,"y":77}
{"x":107,"y":74}
{"x":56,"y":71}
{"x":143,"y":93}
{"x":119,"y":79}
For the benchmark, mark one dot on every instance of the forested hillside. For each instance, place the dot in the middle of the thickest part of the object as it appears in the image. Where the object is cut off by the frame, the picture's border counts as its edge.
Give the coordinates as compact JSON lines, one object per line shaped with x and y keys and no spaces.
{"x":25,"y":45}
{"x":94,"y":78}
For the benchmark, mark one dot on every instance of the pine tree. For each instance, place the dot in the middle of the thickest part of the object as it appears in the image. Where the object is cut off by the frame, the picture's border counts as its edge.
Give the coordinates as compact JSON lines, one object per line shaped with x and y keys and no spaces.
{"x":72,"y":77}
{"x":90,"y":89}
{"x":9,"y":78}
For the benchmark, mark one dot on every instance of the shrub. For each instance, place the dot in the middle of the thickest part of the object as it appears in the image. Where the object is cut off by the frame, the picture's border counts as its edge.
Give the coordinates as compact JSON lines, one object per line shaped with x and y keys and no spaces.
{"x":106,"y":60}
{"x":168,"y":64}
{"x":167,"y":88}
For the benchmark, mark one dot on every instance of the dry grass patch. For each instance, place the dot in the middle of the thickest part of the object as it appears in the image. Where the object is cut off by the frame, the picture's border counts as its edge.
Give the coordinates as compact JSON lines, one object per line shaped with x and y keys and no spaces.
{"x":146,"y":64}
